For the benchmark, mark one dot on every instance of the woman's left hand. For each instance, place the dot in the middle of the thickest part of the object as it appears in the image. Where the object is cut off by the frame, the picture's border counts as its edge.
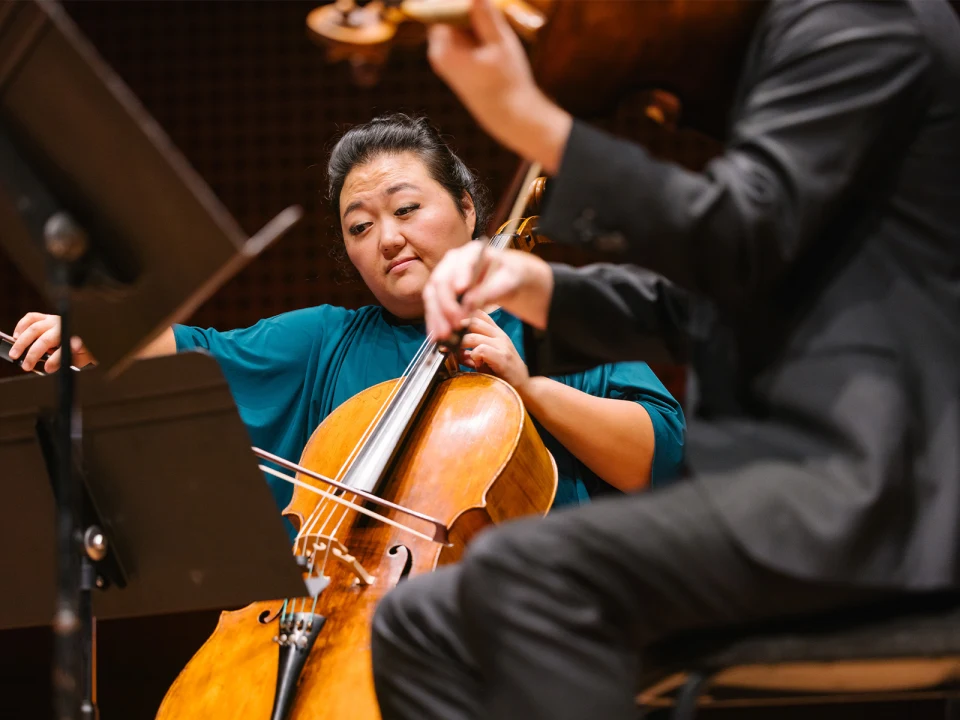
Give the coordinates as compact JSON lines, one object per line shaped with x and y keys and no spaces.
{"x":487,"y":348}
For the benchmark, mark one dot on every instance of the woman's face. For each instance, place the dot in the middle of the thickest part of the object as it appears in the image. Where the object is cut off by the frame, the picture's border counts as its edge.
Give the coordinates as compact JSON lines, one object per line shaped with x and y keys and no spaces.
{"x":398,"y":222}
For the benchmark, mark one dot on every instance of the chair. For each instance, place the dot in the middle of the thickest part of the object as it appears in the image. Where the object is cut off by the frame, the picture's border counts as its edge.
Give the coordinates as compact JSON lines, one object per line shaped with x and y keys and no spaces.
{"x":901,"y":651}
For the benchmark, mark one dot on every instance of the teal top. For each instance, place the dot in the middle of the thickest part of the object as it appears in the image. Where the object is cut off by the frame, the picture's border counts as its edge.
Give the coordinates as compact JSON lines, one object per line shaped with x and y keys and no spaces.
{"x":287,"y":373}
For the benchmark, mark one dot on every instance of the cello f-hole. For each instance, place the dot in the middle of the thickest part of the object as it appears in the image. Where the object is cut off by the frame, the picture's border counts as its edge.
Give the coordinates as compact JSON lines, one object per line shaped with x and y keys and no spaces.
{"x":268,"y":616}
{"x":407,"y":560}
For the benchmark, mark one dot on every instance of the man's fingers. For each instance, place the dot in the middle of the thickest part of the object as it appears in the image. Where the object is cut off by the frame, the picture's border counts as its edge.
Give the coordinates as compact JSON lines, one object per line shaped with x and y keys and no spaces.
{"x":454,"y":275}
{"x":477,"y":295}
{"x":446,"y":46}
{"x":436,"y":324}
{"x":488,"y":23}
{"x":485,"y":293}
{"x":454,"y":278}
{"x":447,"y":303}
{"x":495,"y":287}
{"x":475,"y":298}
{"x":470,"y":264}
{"x":439,"y":42}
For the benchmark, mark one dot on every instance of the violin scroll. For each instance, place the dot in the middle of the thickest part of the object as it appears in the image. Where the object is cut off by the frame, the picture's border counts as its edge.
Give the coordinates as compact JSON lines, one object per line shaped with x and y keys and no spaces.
{"x":527,"y":235}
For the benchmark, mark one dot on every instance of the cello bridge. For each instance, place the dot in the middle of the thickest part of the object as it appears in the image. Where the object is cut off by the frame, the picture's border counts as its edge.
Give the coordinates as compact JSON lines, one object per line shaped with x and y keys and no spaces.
{"x":340,"y":552}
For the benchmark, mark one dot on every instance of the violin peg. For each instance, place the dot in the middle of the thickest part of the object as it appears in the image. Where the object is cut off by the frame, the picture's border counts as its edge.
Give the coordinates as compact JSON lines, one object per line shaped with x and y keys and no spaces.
{"x":662,"y":107}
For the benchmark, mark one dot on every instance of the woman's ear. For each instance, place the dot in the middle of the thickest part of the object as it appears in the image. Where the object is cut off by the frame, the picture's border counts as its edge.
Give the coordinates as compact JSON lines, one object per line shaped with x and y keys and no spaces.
{"x":469,"y":212}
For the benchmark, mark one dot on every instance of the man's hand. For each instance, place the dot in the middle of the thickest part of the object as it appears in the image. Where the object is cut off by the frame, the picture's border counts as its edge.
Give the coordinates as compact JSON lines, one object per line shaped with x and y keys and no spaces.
{"x":519,"y":282}
{"x":487,"y":68}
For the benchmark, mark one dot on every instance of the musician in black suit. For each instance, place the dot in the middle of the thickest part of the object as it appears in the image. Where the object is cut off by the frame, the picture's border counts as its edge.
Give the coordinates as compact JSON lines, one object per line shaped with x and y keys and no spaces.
{"x":811,"y":274}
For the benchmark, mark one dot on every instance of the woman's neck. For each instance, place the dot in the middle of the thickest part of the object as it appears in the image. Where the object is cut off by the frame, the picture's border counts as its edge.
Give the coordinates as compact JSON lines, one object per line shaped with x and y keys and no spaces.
{"x":404,"y":319}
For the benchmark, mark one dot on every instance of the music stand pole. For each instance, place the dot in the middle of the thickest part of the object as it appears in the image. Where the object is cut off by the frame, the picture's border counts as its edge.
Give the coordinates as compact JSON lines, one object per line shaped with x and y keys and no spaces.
{"x":73,"y":626}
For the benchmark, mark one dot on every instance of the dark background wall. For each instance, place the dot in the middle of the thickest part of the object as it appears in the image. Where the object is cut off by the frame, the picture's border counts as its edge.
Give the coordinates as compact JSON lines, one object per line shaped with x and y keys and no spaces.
{"x":254,"y":106}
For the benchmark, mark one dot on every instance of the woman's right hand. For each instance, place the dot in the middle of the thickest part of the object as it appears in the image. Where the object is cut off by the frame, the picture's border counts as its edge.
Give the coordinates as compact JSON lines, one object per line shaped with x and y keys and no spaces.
{"x":37,"y":334}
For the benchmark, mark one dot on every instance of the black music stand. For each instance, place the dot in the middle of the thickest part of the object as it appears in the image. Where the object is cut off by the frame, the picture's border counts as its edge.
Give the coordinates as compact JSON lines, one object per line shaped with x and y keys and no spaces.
{"x":107,"y":220}
{"x":166,"y":474}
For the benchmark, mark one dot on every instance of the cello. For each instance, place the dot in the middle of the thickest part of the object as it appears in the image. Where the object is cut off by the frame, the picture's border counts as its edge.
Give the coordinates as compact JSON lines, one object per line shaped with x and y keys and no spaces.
{"x":394,"y":482}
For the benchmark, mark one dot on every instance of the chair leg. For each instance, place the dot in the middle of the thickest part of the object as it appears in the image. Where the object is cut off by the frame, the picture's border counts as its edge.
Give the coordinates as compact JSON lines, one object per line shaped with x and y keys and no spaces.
{"x":685,"y":707}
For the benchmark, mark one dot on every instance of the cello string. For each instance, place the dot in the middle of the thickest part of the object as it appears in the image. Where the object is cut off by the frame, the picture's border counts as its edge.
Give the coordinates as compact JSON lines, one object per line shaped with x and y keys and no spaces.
{"x":310,"y":526}
{"x":301,"y":546}
{"x":379,"y":516}
{"x":418,"y":366}
{"x":421,"y":366}
{"x":334,"y":534}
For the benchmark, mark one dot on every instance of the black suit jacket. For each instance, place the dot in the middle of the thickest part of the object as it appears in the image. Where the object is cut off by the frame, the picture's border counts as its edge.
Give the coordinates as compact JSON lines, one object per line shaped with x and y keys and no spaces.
{"x":821,"y":255}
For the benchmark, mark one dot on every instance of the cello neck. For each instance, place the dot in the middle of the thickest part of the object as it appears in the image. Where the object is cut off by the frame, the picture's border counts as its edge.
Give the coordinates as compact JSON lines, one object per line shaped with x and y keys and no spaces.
{"x":385,"y":435}
{"x":373,"y":455}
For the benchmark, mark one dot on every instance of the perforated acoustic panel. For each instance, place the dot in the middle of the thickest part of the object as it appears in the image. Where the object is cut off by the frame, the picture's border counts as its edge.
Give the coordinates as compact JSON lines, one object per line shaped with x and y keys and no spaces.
{"x":253,"y":104}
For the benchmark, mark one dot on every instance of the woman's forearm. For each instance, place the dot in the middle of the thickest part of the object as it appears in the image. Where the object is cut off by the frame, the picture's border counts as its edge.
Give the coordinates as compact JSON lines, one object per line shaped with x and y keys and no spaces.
{"x":614,"y":438}
{"x":163,"y":344}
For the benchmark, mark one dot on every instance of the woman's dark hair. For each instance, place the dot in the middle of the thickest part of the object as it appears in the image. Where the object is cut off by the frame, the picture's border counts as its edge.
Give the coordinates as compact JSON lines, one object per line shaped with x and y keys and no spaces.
{"x":398,"y":133}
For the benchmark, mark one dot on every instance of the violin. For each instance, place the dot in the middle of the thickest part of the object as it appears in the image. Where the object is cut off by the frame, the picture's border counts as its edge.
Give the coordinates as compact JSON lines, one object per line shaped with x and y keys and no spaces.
{"x":395,"y":482}
{"x":686,"y":56}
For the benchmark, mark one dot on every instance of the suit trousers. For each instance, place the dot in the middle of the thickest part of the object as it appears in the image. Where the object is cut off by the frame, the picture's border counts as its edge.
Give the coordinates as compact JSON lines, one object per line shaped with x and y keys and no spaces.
{"x":545,"y":618}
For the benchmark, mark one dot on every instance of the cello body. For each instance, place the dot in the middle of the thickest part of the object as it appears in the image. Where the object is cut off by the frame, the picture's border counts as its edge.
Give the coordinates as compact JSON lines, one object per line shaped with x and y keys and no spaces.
{"x":473,"y":458}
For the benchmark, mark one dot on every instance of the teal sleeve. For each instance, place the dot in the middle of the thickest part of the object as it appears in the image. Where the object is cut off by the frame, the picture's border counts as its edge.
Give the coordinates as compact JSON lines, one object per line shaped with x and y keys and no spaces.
{"x":636,"y":382}
{"x":266,"y":366}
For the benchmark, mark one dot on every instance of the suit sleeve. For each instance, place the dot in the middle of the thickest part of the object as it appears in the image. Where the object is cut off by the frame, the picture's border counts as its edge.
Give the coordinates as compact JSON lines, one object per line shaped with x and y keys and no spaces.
{"x":610,"y":313}
{"x":832,"y":88}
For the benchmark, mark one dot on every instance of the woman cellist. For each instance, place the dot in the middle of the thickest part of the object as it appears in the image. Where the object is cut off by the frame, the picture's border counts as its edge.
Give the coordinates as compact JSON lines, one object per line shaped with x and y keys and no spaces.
{"x":404,"y":199}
